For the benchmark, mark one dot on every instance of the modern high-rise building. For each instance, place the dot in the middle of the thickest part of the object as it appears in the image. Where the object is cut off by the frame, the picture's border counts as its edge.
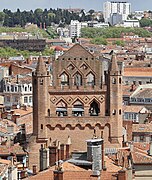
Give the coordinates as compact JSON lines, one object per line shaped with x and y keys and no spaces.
{"x":119,"y":7}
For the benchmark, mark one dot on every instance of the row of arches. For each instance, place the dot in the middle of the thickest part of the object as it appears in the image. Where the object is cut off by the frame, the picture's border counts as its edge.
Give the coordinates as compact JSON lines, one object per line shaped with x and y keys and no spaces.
{"x":77,"y":108}
{"x":79,"y":126}
{"x":77,"y":79}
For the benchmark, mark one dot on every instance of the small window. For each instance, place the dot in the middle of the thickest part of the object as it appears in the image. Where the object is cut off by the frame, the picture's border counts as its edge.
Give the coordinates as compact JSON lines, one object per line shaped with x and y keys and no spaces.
{"x":41,"y":126}
{"x":49,"y":112}
{"x":12,"y":88}
{"x":8,"y":98}
{"x":25,"y":88}
{"x":141,"y":138}
{"x":119,"y":80}
{"x":113,"y":80}
{"x":7,"y":88}
{"x":114,"y":112}
{"x":30,"y":99}
{"x":120,"y":111}
{"x":16,"y":99}
{"x":41,"y":81}
{"x":25,"y":99}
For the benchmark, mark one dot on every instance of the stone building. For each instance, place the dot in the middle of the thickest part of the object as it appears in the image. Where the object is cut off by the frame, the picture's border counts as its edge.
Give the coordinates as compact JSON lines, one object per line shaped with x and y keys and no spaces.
{"x":74,"y":102}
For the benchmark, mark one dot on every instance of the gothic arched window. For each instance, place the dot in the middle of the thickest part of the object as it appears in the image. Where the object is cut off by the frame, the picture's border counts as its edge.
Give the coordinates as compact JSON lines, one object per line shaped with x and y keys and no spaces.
{"x":64,"y":79}
{"x":90,"y":79}
{"x":94,"y":109}
{"x":78,"y":79}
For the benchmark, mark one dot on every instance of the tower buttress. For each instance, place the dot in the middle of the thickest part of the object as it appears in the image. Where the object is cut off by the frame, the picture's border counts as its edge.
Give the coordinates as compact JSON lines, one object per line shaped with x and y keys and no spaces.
{"x":115,"y":101}
{"x":40,"y":80}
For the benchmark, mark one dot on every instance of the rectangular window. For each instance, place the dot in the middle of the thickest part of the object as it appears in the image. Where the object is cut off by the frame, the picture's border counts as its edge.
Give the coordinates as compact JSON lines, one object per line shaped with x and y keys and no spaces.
{"x":30,"y":99}
{"x":141,"y":138}
{"x":19,"y":88}
{"x":8,"y":98}
{"x":16,"y":99}
{"x":25,"y":99}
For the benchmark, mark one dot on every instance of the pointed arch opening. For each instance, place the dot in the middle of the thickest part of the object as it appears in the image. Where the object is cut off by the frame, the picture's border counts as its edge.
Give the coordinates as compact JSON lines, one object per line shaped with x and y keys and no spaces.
{"x":64,"y":79}
{"x":94,"y":109}
{"x":61,"y":108}
{"x":91,"y":79}
{"x":77,"y":79}
{"x":78,"y":108}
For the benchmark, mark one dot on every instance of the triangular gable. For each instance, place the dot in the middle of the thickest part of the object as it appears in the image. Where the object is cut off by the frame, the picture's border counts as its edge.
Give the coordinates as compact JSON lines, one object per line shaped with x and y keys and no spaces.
{"x":77,"y":51}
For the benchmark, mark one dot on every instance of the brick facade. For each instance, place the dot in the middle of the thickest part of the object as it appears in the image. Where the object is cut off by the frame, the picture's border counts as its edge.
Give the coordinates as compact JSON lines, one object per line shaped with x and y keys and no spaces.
{"x":78,"y":103}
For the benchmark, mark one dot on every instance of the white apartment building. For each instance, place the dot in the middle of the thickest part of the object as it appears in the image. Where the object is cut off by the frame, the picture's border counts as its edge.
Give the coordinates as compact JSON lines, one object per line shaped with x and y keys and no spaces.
{"x":75,"y":28}
{"x":131,"y":23}
{"x":17,"y":93}
{"x":119,"y":7}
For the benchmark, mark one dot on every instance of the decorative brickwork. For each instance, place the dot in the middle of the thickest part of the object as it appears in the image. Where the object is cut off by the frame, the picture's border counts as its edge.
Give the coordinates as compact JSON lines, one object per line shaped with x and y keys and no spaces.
{"x":78,"y":103}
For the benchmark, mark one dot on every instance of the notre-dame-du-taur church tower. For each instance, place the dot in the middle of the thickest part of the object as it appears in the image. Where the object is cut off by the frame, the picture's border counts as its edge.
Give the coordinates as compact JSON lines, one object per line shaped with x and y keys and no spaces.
{"x":77,"y":98}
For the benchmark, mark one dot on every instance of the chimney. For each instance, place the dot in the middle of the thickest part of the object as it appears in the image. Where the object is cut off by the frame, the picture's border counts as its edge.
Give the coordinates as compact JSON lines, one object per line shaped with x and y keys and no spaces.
{"x":52,"y":155}
{"x":67,"y":154}
{"x":122,"y":175}
{"x":43,"y":158}
{"x":95,"y":155}
{"x":150,"y":148}
{"x":62,"y":152}
{"x":58,"y":175}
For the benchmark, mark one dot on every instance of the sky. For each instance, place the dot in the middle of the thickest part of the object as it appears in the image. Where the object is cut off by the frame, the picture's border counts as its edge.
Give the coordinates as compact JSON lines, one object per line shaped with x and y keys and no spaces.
{"x":85,"y":4}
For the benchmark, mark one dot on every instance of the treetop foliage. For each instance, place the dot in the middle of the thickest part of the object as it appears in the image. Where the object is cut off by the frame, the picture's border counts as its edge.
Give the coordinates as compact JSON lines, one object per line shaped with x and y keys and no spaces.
{"x":10,"y":52}
{"x":113,"y":32}
{"x":99,"y":35}
{"x":57,"y":16}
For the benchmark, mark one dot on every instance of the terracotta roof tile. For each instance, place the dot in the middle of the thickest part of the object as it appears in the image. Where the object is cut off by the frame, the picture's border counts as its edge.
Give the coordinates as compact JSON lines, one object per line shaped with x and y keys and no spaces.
{"x":138,"y":71}
{"x":135,"y":109}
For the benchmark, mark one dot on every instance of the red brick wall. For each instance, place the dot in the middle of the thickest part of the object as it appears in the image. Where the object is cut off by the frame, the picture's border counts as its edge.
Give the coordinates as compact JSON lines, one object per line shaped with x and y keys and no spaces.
{"x":14,"y":70}
{"x":28,"y":121}
{"x":128,"y":126}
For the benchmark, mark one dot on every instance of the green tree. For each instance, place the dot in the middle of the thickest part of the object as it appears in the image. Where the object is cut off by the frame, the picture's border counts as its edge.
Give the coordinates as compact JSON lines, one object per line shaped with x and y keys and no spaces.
{"x":99,"y":41}
{"x":2,"y":16}
{"x":119,"y":43}
{"x":145,"y":22}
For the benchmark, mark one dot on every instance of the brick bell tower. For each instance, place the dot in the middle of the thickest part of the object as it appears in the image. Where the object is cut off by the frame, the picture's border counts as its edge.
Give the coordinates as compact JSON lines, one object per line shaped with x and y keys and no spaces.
{"x":40,"y":82}
{"x":115,"y":101}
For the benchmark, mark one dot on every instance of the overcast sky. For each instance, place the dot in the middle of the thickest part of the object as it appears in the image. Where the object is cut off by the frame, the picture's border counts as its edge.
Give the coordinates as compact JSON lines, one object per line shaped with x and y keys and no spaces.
{"x":86,"y":4}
